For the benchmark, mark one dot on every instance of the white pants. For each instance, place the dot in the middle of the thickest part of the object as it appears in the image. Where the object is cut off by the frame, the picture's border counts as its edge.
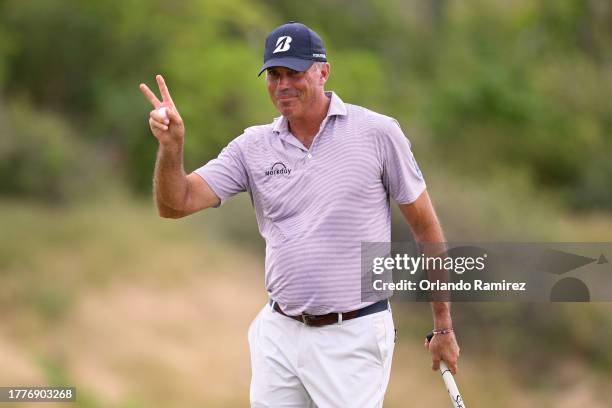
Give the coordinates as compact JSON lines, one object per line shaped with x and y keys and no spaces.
{"x":335,"y":366}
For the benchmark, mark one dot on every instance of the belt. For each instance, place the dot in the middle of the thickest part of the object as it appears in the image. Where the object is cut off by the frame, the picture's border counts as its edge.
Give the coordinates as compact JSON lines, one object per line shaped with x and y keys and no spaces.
{"x":332,"y":318}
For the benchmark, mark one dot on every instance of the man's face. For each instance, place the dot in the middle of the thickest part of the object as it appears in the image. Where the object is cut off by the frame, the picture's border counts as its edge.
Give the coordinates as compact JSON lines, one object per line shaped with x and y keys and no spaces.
{"x":294,"y":92}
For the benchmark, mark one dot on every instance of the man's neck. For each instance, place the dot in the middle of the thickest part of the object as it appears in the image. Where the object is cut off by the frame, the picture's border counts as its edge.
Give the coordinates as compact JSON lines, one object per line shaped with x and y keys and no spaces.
{"x":306,"y":128}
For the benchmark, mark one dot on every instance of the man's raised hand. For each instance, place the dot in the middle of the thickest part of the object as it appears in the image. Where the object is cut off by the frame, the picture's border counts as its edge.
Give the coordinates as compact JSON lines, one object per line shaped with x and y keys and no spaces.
{"x":167,"y":127}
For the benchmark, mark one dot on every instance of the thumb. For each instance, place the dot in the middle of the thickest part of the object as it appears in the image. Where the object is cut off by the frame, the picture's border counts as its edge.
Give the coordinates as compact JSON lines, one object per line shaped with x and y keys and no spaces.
{"x":173,"y":115}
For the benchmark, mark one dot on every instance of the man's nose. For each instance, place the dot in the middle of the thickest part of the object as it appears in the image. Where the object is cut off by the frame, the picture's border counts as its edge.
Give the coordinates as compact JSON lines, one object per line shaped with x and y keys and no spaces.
{"x":284,"y":81}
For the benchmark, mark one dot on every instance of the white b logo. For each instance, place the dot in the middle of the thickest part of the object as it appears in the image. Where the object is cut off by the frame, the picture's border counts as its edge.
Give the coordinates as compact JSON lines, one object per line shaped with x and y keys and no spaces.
{"x":282,"y":44}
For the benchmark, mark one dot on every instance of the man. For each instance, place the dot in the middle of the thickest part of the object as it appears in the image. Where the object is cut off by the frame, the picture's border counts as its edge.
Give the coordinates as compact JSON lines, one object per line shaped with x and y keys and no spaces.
{"x":320,"y":177}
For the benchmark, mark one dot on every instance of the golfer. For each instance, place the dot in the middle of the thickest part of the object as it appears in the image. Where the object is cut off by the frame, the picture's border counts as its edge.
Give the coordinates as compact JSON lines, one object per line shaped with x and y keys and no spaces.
{"x":320,"y":178}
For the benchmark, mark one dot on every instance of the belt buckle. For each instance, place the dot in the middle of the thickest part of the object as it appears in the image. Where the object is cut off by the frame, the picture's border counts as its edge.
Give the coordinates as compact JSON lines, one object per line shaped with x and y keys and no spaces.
{"x":308,"y":318}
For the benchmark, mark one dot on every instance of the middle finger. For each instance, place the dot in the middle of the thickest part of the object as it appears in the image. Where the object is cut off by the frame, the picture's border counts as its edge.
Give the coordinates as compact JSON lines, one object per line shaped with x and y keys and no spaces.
{"x":164,"y":90}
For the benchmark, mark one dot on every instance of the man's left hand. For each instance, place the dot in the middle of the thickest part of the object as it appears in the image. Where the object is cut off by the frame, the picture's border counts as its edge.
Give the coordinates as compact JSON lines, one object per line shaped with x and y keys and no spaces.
{"x":443,"y":347}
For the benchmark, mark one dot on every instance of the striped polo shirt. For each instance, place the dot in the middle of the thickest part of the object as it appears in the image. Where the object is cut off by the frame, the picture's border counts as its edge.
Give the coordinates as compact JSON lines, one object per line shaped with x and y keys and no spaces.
{"x":315,"y":206}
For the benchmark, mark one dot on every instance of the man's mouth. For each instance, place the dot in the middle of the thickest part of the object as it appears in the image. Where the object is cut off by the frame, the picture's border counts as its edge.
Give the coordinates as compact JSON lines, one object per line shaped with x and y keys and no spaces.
{"x":286,"y":96}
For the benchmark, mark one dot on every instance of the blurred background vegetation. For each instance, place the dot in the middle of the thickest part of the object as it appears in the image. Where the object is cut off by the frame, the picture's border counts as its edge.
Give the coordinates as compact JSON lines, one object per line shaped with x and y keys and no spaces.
{"x":507,"y":106}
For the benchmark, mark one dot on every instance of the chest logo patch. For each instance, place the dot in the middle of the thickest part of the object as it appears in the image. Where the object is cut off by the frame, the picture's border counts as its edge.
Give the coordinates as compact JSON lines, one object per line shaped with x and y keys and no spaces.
{"x":278,"y":168}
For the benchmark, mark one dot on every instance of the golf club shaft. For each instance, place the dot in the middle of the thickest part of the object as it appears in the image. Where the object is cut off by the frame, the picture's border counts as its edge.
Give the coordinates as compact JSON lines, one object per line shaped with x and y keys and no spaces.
{"x":449,"y":381}
{"x":451,"y":386}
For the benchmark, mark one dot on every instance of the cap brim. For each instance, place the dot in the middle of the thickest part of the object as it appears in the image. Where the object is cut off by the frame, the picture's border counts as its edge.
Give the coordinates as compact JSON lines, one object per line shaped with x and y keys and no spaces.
{"x":296,"y":64}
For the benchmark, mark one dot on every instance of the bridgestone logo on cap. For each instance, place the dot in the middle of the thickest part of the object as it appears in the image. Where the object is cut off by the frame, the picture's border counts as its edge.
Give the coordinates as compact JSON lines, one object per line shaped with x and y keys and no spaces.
{"x":319,"y":56}
{"x":282,"y":44}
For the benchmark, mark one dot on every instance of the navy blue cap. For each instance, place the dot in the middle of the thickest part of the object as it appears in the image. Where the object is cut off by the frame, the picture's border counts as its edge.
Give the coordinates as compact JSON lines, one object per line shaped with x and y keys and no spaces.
{"x":293,"y":46}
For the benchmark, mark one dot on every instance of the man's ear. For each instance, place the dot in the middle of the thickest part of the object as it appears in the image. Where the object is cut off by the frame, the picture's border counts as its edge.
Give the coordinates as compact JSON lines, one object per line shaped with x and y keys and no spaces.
{"x":325,"y":71}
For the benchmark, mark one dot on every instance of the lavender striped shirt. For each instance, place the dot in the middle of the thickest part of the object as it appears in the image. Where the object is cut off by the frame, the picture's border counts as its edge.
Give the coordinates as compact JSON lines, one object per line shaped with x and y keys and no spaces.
{"x":315,"y":206}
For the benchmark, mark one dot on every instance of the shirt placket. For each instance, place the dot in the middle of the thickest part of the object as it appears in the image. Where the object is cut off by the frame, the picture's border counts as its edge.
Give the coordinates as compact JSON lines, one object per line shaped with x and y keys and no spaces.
{"x":309,"y":151}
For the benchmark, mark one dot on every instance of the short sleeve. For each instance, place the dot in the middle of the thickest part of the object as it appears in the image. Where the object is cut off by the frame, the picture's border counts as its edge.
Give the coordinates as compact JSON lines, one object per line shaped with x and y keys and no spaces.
{"x":401,"y":174}
{"x":226,"y":175}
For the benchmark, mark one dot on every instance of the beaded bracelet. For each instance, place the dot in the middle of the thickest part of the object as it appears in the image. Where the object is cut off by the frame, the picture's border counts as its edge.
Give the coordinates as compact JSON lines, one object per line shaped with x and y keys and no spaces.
{"x":443,"y":331}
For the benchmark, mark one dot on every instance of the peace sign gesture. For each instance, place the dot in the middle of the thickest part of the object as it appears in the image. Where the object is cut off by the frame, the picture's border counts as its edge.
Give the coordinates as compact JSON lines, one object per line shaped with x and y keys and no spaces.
{"x":165,"y":121}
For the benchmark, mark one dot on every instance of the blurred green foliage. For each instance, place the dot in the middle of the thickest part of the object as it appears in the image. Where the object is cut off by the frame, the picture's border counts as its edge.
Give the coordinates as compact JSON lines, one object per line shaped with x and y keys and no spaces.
{"x":43,"y":158}
{"x":492,"y":86}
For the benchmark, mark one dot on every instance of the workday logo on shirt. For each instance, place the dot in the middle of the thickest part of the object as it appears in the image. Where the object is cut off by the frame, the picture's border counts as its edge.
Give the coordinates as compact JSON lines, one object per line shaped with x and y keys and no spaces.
{"x":278,"y":168}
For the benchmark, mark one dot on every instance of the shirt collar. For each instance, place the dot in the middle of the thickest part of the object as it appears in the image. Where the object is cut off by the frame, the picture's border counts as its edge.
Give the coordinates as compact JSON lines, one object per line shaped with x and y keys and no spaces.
{"x":336,"y":108}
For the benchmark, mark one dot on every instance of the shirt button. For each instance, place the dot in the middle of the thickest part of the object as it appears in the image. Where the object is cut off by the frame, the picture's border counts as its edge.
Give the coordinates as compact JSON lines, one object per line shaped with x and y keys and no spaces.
{"x":309,"y":156}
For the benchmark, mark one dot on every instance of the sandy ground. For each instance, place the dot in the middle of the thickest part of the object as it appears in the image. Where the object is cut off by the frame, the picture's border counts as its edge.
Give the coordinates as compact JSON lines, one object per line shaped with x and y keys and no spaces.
{"x":148,"y":345}
{"x":156,"y":318}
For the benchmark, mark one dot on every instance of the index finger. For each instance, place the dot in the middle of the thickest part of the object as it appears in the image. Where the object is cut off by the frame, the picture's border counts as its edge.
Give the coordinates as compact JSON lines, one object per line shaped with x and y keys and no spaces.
{"x":164,"y":90}
{"x":150,"y":96}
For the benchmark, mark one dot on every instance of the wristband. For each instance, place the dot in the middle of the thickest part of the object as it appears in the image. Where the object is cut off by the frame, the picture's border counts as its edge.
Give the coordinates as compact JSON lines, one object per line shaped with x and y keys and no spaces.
{"x":443,"y":331}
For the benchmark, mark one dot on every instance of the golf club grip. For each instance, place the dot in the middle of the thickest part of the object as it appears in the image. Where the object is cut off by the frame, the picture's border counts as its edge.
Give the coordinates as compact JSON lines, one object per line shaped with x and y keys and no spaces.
{"x":449,"y":381}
